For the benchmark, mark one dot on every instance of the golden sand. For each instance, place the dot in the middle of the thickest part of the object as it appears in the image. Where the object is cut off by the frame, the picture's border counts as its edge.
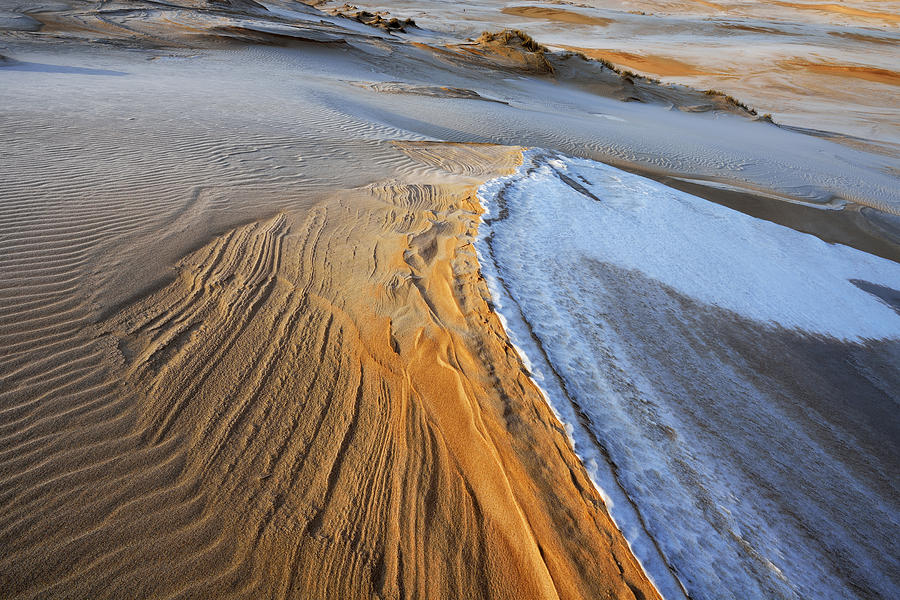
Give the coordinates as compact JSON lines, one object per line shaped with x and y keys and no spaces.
{"x":320,"y":404}
{"x":656,"y":65}
{"x":876,"y":75}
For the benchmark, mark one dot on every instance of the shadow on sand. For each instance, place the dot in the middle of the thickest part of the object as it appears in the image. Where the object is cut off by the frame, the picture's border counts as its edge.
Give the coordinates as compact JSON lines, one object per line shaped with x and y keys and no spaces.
{"x":15,"y":65}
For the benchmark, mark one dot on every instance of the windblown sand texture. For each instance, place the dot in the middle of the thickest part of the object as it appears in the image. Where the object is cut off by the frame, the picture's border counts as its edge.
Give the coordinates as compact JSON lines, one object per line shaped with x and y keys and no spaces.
{"x":315,"y":400}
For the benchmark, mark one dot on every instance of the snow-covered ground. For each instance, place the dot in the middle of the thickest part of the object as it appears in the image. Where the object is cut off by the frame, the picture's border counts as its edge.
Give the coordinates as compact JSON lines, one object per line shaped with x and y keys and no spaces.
{"x":691,"y":350}
{"x":812,"y":64}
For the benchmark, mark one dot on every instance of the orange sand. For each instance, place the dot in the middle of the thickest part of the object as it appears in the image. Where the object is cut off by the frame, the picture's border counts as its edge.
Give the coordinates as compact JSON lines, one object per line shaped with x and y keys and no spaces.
{"x":845,"y":10}
{"x":656,"y":65}
{"x":554,"y":14}
{"x":884,"y":76}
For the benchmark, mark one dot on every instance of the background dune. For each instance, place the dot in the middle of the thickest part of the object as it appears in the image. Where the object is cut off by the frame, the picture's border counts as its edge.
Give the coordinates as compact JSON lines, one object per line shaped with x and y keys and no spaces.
{"x":739,"y":47}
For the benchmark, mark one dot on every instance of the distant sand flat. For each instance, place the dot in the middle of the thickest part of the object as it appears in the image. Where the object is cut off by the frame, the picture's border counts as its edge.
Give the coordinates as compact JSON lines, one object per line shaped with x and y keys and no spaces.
{"x":555,"y":14}
{"x":710,"y":4}
{"x":656,"y":65}
{"x":885,"y":76}
{"x":845,"y":10}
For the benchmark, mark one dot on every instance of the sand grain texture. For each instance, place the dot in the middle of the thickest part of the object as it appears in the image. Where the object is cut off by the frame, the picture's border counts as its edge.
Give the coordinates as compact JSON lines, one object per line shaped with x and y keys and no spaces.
{"x":320,"y":405}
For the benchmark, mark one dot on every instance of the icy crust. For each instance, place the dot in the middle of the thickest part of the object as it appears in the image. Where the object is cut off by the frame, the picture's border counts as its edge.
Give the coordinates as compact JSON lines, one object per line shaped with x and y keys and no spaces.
{"x":698,"y":524}
{"x":599,"y":468}
{"x":715,"y":255}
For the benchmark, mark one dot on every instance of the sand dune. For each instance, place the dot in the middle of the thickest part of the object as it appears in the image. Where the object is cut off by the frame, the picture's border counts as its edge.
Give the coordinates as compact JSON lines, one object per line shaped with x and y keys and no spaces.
{"x":320,"y":403}
{"x":508,"y":49}
{"x":245,"y":347}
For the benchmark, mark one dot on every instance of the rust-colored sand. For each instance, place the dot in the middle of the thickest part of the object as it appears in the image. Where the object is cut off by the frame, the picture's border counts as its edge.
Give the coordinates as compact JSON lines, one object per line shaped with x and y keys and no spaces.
{"x":656,"y":65}
{"x":712,"y":5}
{"x":844,"y":10}
{"x":876,"y":75}
{"x":560,"y":15}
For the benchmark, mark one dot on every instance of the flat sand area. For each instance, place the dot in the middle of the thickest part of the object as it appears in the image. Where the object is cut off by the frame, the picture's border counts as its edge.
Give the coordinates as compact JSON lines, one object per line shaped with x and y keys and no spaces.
{"x":560,"y":15}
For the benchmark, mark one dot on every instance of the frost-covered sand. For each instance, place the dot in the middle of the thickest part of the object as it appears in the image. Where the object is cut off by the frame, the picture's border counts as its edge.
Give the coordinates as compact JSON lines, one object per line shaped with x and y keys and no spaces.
{"x":740,"y":377}
{"x":821,"y":65}
{"x":246,"y":349}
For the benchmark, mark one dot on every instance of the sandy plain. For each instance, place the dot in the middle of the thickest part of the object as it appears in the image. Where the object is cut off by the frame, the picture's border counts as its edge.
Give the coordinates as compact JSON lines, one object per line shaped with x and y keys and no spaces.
{"x":245,"y":348}
{"x":824,"y":66}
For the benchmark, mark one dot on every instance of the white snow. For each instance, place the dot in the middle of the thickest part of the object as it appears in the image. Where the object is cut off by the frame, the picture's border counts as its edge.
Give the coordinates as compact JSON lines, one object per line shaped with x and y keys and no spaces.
{"x":714,"y":525}
{"x":718,"y":256}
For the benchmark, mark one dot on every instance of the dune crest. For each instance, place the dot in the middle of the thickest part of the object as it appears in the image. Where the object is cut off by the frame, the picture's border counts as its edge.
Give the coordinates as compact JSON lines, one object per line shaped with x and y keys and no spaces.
{"x":322,"y":403}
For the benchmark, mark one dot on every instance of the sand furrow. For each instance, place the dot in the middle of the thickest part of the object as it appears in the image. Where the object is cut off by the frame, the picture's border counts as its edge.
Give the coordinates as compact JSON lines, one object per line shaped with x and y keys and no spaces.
{"x":282,"y":405}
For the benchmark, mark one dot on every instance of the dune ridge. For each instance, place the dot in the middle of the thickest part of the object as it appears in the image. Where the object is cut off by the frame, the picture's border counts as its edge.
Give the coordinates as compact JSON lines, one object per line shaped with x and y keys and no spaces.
{"x":320,"y":403}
